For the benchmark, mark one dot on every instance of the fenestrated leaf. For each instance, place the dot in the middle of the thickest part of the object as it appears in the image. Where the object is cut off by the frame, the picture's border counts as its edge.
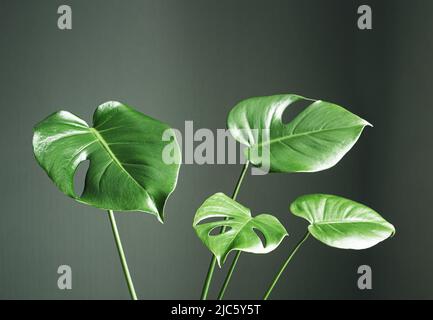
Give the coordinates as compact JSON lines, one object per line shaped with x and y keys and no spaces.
{"x":124,"y":147}
{"x":315,"y":140}
{"x":240,"y":226}
{"x":342,"y":223}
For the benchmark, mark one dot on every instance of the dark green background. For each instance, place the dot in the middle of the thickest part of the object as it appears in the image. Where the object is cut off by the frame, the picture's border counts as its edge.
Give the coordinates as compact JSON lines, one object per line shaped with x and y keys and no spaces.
{"x":193,"y":60}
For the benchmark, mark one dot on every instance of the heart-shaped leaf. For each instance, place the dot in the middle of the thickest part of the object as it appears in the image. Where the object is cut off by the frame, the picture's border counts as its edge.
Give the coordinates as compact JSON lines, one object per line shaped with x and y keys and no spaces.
{"x":315,"y":140}
{"x":342,"y":223}
{"x":240,"y":228}
{"x":124,"y":147}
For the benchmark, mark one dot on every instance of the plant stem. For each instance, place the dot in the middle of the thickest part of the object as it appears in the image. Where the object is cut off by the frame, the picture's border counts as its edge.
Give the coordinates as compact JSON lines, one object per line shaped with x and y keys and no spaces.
{"x":277,"y":277}
{"x":212,"y":264}
{"x":241,"y":178}
{"x":229,"y":276}
{"x":122,"y":255}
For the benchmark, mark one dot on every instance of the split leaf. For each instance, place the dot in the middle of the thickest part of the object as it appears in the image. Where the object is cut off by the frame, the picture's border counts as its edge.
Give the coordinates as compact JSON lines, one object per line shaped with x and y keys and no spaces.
{"x":241,"y":229}
{"x":315,"y":140}
{"x":124,"y":147}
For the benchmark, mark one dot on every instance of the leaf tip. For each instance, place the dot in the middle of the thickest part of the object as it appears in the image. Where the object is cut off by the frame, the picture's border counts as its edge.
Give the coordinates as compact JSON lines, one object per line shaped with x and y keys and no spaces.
{"x":219,"y":262}
{"x":393,"y":231}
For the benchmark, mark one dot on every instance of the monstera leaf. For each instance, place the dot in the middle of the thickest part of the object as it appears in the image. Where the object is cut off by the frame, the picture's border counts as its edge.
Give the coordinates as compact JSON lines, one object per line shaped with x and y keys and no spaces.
{"x":124,"y":147}
{"x":315,"y":140}
{"x":342,"y":223}
{"x":240,"y":228}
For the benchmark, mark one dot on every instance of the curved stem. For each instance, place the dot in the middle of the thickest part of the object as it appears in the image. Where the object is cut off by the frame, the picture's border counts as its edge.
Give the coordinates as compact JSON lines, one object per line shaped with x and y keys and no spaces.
{"x":212,"y":264}
{"x":229,"y":276}
{"x":277,"y":277}
{"x":122,"y":255}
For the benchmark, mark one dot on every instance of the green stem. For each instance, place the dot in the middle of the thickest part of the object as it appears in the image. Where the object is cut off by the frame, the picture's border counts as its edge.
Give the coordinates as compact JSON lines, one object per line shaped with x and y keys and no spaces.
{"x":209,"y":275}
{"x":241,"y":178}
{"x":212,"y":264}
{"x":229,"y":276}
{"x":277,"y":277}
{"x":122,"y":255}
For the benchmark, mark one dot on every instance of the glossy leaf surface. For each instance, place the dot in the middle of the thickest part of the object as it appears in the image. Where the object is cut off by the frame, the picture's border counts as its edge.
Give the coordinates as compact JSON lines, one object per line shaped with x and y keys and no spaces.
{"x":241,"y":228}
{"x":342,"y":223}
{"x":314,"y":140}
{"x":124,"y":147}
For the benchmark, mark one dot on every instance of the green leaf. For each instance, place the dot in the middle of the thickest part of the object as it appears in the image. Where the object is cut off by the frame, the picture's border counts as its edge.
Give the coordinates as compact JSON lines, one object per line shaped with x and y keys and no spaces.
{"x":240,"y":233}
{"x":342,"y":223}
{"x":315,"y":140}
{"x":124,"y":147}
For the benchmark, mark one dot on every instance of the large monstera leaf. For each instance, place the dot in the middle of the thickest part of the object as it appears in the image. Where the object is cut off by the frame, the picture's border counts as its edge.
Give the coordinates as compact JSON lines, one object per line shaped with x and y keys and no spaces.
{"x":240,"y":226}
{"x":342,"y":223}
{"x":314,"y":140}
{"x":124,"y":147}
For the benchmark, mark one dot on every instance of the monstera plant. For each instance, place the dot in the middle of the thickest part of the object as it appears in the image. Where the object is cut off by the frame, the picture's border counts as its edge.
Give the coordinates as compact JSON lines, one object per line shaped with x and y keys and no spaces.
{"x":126,"y":170}
{"x":315,"y":140}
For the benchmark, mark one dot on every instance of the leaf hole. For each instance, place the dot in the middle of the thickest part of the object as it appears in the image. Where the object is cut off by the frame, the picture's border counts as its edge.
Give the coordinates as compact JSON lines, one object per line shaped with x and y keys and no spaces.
{"x":292,"y":111}
{"x":80,"y":177}
{"x":261,"y":236}
{"x":212,"y":219}
{"x":218,"y":230}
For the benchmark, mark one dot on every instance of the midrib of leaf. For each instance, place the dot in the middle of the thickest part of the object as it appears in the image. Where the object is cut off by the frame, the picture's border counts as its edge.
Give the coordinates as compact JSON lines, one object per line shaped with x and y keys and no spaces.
{"x":271,"y":141}
{"x":237,"y":233}
{"x":106,"y":147}
{"x":245,"y":212}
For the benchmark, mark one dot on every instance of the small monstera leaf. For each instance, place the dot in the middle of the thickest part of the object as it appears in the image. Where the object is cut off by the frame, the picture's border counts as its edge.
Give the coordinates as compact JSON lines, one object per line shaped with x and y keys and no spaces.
{"x":342,"y":223}
{"x":240,"y":228}
{"x":315,"y":140}
{"x":124,"y":147}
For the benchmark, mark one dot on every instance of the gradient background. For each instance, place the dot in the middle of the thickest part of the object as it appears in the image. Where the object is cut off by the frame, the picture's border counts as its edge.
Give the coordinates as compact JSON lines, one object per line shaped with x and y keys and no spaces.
{"x":193,"y":60}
